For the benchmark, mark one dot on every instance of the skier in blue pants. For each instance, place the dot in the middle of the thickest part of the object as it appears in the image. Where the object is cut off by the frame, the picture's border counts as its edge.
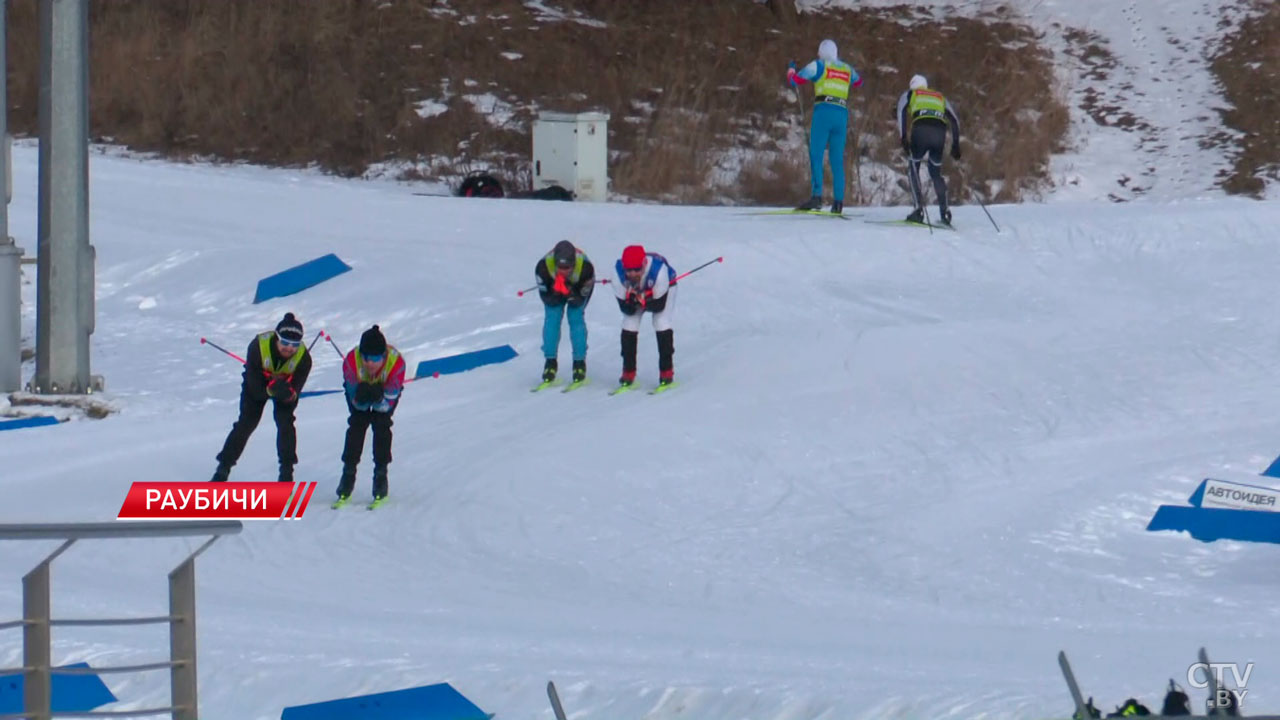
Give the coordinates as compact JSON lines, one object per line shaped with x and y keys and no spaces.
{"x":831,"y":78}
{"x":565,"y":281}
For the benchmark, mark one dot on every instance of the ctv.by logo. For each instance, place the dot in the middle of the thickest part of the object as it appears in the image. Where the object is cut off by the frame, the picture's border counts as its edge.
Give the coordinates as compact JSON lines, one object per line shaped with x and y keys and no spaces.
{"x":1224,"y":698}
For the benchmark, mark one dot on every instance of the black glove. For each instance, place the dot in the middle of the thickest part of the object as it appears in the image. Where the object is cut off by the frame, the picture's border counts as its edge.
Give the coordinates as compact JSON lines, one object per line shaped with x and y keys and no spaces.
{"x":955,"y":151}
{"x":632,"y":304}
{"x":368,"y":393}
{"x":280,"y":389}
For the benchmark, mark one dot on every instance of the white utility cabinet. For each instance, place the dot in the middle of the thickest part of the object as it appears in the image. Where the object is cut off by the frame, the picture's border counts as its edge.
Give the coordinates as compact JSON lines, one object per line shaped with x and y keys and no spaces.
{"x":572,"y":150}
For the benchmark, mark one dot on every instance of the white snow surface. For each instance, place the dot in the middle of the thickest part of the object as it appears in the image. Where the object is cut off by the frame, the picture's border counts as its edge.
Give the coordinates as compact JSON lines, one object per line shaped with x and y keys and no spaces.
{"x":903,"y":470}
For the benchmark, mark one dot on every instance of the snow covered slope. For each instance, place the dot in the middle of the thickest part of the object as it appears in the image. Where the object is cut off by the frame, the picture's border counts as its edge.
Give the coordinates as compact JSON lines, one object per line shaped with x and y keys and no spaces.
{"x":902,"y":471}
{"x":1141,"y":120}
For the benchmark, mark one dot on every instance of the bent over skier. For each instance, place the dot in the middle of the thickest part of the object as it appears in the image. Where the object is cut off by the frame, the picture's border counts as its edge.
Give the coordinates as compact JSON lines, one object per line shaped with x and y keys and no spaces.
{"x":566,"y":278}
{"x":923,"y":116}
{"x":373,"y":378}
{"x":276,"y":368}
{"x":646,"y":283}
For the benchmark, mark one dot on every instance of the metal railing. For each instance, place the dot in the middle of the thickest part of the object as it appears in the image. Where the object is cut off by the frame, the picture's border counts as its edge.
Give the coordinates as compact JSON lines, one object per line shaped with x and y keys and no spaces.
{"x":37,"y":623}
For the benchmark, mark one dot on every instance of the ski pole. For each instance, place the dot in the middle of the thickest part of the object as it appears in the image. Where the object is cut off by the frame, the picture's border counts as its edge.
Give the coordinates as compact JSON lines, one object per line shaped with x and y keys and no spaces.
{"x":978,"y":197}
{"x":717,"y":260}
{"x":329,"y":337}
{"x":204,"y":341}
{"x":914,"y":175}
{"x":313,"y":342}
{"x":520,"y":293}
{"x":435,"y":374}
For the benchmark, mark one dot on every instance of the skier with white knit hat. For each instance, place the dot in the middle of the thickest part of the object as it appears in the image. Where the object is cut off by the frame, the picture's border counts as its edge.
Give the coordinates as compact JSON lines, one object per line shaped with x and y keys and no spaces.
{"x":831,"y":78}
{"x":923,"y":115}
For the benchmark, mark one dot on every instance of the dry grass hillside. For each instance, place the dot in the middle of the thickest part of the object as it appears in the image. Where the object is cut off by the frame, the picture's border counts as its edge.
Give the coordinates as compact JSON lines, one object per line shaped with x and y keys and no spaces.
{"x":1247,"y":65}
{"x":432,"y":88}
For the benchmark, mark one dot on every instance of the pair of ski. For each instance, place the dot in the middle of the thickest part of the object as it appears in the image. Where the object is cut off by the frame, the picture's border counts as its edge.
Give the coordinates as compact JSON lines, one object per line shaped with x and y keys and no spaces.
{"x":616,"y":391}
{"x":819,"y":213}
{"x":556,"y":383}
{"x":912,"y":223}
{"x":374,"y":505}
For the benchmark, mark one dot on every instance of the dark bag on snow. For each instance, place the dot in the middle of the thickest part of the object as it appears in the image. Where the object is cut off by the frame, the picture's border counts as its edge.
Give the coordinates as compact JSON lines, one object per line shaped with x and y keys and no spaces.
{"x":480,"y":184}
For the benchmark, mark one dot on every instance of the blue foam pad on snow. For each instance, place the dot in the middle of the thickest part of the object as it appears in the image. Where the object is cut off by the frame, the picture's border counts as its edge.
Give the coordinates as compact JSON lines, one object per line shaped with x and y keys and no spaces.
{"x":1209,"y":524}
{"x":430,"y":702}
{"x":27,"y":422}
{"x":465,"y":361}
{"x":312,"y":393}
{"x":71,"y":693}
{"x":299,"y":278}
{"x":1273,"y":470}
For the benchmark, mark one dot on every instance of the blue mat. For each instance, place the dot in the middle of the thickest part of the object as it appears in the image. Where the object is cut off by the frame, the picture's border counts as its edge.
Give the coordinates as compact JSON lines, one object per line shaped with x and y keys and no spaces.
{"x":299,"y":278}
{"x":1210,"y":524}
{"x":1273,"y":470}
{"x":27,"y":422}
{"x":71,"y":693}
{"x":313,"y":393}
{"x":465,"y":361}
{"x":430,"y":702}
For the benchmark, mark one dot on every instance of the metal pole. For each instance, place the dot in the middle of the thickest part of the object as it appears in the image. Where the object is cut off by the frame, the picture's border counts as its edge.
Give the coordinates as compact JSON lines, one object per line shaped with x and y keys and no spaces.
{"x":65,"y":282}
{"x":10,"y":314}
{"x":5,"y":171}
{"x":37,"y":651}
{"x":182,"y":640}
{"x":10,"y":275}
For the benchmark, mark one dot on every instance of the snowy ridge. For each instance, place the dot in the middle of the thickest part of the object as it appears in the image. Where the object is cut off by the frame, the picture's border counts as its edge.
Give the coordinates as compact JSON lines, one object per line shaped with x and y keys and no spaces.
{"x":902,"y":470}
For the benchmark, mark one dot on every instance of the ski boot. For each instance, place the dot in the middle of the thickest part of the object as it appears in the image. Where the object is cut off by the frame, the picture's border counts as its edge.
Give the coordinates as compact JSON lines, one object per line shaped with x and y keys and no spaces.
{"x":347,"y":483}
{"x":666,"y":377}
{"x":814,"y":203}
{"x":628,"y":378}
{"x":221,"y":474}
{"x":549,"y":370}
{"x":916,"y":216}
{"x":379,"y":482}
{"x":837,"y":208}
{"x":286,"y":473}
{"x":579,"y":370}
{"x":946,"y":216}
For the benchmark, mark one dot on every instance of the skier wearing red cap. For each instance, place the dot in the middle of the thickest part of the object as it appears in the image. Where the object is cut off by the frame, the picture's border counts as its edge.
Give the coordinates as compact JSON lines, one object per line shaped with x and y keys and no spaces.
{"x":646,"y":283}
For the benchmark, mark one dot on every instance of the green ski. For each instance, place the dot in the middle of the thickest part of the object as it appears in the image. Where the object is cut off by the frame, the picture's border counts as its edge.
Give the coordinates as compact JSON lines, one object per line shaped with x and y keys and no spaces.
{"x":377,"y":502}
{"x":544,"y":385}
{"x":623,"y":388}
{"x":575,"y":385}
{"x":663,"y":388}
{"x":342,"y":500}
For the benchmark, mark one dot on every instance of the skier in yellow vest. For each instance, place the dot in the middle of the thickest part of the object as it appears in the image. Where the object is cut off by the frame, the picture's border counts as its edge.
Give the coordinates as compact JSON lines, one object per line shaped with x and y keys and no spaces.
{"x":831,"y":78}
{"x":923,"y":116}
{"x":373,"y":378}
{"x":276,"y":368}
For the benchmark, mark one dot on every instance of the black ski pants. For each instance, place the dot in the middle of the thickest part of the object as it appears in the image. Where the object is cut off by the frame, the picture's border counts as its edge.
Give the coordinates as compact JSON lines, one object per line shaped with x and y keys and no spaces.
{"x":251,"y":407}
{"x":358,"y":423}
{"x":928,"y":139}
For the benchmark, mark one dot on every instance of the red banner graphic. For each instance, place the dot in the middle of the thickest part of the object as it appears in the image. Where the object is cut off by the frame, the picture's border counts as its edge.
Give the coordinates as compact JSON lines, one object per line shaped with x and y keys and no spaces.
{"x":216,"y":501}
